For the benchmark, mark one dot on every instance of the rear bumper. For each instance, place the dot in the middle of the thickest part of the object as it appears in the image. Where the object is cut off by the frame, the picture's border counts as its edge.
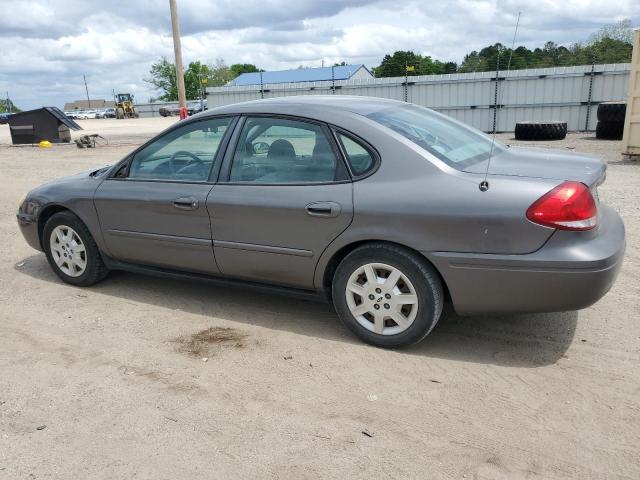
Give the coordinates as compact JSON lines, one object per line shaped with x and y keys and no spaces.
{"x":573,"y":270}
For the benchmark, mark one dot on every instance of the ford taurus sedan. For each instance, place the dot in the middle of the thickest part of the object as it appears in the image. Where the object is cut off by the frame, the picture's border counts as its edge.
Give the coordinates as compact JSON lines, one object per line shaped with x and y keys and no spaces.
{"x":385,"y":208}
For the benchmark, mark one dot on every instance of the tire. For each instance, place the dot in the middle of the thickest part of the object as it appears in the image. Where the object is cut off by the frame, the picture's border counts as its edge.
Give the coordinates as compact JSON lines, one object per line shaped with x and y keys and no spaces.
{"x":612,"y":111}
{"x":417,"y":277}
{"x":540,"y":130}
{"x":610,"y":130}
{"x":95,"y":269}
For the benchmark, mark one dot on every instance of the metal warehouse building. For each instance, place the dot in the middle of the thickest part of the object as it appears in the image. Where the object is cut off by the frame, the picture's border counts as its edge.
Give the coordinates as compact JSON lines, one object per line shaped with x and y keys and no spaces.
{"x":301,"y":75}
{"x":571,"y":94}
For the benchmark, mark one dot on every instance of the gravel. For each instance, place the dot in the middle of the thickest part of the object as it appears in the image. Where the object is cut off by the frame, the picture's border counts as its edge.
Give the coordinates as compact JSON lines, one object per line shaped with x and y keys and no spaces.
{"x":116,"y":372}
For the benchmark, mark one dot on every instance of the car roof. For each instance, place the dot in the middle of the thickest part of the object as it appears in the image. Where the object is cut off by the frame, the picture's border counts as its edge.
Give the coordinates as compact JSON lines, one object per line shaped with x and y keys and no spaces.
{"x":302,"y":104}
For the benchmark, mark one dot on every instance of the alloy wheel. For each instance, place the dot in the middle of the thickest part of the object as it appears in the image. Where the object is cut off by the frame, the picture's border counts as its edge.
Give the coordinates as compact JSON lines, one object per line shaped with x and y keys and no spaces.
{"x":68,"y":251}
{"x":381,"y":298}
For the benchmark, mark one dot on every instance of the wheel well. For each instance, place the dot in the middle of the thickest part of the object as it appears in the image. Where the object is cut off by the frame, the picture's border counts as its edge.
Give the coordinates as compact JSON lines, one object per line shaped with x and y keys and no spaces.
{"x":330,"y":270}
{"x":45,"y":215}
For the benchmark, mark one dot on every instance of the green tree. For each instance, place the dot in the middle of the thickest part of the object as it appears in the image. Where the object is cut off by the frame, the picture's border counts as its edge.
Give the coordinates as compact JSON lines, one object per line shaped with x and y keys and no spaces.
{"x":6,"y":105}
{"x":240,"y":68}
{"x":162,"y":76}
{"x":395,"y":65}
{"x":197,"y":76}
{"x":622,"y":31}
{"x":220,"y":74}
{"x":610,"y":44}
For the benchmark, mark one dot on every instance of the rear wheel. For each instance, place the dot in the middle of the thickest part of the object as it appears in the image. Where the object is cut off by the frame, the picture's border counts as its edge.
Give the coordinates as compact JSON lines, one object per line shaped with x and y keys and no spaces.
{"x":388,"y":296}
{"x":71,"y":250}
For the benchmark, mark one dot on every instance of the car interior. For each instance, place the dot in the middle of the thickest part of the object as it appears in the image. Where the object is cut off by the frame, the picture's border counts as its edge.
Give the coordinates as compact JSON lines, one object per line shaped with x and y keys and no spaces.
{"x":269,"y":151}
{"x":266,"y":154}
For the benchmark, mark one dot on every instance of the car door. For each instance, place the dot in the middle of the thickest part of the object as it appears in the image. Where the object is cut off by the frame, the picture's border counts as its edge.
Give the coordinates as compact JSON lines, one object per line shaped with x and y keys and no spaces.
{"x":153,"y":211}
{"x":283,"y":195}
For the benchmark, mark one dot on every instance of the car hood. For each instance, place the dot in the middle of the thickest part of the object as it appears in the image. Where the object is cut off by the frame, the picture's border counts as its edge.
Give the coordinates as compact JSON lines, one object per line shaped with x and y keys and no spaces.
{"x":544,"y":163}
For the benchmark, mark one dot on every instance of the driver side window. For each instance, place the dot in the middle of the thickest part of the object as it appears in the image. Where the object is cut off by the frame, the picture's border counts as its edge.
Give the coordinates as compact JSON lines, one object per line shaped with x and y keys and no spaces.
{"x":184,"y":154}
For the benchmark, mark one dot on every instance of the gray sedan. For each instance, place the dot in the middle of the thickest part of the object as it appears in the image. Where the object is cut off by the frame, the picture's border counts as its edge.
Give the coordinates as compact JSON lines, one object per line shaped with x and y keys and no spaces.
{"x":387,"y":209}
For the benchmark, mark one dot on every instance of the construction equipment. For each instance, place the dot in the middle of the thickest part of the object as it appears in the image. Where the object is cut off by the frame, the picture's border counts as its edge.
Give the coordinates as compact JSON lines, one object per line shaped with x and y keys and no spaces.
{"x":125,"y":107}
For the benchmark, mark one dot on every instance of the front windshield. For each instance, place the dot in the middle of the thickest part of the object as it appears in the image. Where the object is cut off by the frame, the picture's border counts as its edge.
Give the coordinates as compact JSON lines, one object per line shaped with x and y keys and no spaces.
{"x":449,"y":140}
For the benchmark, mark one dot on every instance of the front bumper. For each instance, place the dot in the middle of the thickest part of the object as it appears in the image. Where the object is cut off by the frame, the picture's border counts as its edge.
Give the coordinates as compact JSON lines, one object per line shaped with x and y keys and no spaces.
{"x":28,"y":224}
{"x":573,"y":270}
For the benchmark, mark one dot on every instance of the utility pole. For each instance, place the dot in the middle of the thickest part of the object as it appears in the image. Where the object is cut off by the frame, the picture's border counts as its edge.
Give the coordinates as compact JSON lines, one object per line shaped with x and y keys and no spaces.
{"x":86,"y":90}
{"x":175,"y":26}
{"x":8,"y":104}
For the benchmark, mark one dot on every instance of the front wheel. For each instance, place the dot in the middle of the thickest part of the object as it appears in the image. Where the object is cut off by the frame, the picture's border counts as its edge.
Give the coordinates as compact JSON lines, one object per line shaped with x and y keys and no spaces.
{"x":71,"y":250}
{"x":387,"y":295}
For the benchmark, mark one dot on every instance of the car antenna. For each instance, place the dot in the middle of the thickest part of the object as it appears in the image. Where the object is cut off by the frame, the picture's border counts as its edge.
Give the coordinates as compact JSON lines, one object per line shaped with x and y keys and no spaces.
{"x":484,"y":184}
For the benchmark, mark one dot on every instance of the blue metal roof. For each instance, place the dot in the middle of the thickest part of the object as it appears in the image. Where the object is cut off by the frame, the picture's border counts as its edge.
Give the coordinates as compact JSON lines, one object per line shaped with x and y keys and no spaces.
{"x":343,"y":72}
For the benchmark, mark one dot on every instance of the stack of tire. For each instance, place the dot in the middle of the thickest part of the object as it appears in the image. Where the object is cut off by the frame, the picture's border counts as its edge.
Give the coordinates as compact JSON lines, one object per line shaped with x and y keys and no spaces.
{"x":541,"y":130}
{"x":611,"y":120}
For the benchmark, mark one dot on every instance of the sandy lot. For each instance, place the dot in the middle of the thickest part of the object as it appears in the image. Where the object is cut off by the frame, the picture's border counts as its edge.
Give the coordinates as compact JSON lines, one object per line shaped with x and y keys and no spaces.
{"x":110,"y":382}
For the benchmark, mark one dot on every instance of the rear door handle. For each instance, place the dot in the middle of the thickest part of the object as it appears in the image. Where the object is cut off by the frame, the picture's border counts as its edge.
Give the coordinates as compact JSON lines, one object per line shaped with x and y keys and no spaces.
{"x":323,"y":209}
{"x":186,"y":203}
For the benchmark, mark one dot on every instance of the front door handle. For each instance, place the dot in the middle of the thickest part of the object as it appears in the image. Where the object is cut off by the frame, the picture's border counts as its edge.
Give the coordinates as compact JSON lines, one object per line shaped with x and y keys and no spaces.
{"x":186,"y":203}
{"x":323,"y":209}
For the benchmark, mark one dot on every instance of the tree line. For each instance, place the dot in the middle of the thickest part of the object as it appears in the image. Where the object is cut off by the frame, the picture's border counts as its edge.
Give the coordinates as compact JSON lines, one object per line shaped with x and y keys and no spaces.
{"x":197,"y":76}
{"x":610,"y":44}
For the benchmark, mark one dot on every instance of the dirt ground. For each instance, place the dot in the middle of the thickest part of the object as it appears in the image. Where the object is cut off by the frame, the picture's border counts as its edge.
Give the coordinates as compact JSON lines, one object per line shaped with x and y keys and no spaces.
{"x":149,"y":378}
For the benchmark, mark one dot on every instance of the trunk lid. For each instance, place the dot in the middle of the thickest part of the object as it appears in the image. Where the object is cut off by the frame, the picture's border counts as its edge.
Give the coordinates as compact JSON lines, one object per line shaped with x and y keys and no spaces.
{"x":544,"y":163}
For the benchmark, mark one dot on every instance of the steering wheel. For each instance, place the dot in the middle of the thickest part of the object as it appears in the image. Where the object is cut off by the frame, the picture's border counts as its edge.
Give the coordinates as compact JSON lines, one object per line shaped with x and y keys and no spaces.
{"x":193,"y":159}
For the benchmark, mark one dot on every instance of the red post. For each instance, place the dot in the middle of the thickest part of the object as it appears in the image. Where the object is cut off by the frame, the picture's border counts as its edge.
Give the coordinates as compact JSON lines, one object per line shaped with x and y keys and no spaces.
{"x":183,"y":113}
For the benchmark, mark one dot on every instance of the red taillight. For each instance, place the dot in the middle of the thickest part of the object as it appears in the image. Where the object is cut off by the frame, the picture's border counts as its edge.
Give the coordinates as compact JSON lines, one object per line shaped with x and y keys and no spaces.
{"x":569,"y":206}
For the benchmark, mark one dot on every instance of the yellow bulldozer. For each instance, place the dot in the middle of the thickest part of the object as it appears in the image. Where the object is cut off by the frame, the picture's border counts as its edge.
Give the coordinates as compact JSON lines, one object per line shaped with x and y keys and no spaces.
{"x":125,"y":107}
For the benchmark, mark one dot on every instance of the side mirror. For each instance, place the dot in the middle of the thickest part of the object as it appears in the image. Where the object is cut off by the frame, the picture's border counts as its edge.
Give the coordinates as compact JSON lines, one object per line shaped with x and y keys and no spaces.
{"x":260,"y":148}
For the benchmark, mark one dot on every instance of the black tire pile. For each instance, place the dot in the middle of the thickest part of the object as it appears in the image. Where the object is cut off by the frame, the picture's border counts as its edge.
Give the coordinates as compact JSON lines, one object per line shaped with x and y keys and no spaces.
{"x":611,"y":120}
{"x":540,"y":130}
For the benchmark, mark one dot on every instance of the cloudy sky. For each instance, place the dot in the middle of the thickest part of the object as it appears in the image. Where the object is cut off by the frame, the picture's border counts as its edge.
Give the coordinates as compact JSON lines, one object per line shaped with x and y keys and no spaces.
{"x":47,"y":45}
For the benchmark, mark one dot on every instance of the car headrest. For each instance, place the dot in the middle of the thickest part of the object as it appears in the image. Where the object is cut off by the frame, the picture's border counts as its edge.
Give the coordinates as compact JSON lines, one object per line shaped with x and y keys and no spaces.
{"x":281,"y":151}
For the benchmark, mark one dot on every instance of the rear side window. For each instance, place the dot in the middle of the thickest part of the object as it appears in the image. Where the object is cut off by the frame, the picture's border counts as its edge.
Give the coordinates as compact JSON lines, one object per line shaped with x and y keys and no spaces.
{"x":282,"y":151}
{"x":359,"y":157}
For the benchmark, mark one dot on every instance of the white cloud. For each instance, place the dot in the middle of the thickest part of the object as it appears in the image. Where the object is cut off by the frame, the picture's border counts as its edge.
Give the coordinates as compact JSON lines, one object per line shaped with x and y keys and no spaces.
{"x":46,"y":46}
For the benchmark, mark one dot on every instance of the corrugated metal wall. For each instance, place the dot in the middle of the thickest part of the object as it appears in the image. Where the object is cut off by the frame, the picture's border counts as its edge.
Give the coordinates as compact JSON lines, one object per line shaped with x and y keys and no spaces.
{"x":570,"y":94}
{"x":146,"y":110}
